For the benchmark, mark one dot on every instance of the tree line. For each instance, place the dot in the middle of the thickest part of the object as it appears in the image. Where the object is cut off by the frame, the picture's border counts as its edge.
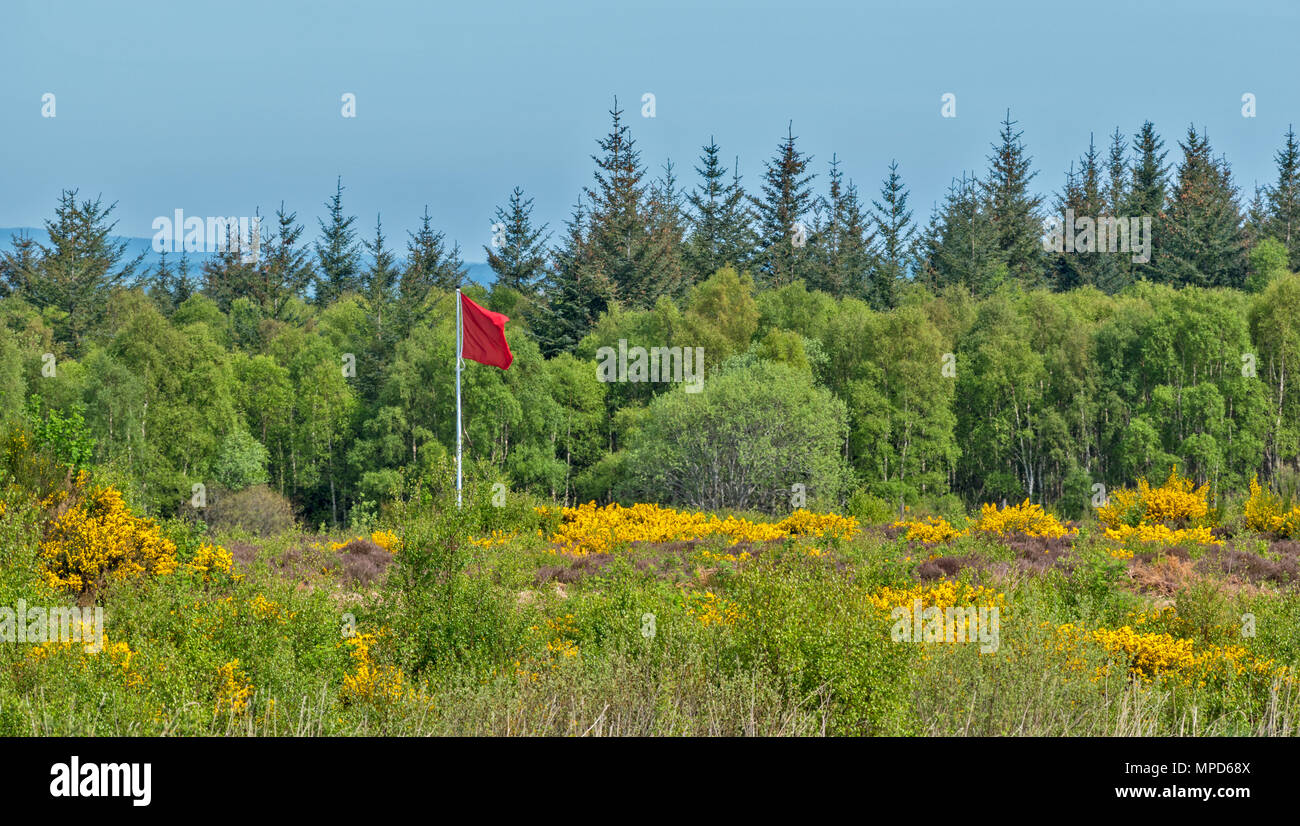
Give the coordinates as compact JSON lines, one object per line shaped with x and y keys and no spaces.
{"x":956,"y":359}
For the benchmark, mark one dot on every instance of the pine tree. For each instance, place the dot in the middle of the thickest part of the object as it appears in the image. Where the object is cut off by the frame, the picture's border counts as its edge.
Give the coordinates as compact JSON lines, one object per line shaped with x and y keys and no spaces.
{"x":1203,"y":241}
{"x":519,"y":260}
{"x":160,"y":285}
{"x":576,"y":293}
{"x":1115,"y":270}
{"x":1012,"y":209}
{"x":1148,"y":193}
{"x":842,"y":244}
{"x":286,"y":267}
{"x":82,"y":265}
{"x":429,"y":266}
{"x":962,"y":245}
{"x":1283,"y":198}
{"x":228,"y":274}
{"x":619,"y":222}
{"x":18,"y":266}
{"x":782,"y":213}
{"x":1083,"y":197}
{"x":721,"y":224}
{"x":897,"y":234}
{"x":381,"y":279}
{"x":338,"y":254}
{"x":667,"y":233}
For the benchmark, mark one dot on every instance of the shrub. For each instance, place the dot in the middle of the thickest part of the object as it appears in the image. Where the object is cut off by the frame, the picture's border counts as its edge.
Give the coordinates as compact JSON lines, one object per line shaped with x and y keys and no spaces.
{"x":98,"y":541}
{"x":258,"y":510}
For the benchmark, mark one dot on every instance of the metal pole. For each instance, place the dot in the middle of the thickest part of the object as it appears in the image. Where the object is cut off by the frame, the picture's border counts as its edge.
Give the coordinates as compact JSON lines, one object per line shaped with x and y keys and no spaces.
{"x":460,"y":341}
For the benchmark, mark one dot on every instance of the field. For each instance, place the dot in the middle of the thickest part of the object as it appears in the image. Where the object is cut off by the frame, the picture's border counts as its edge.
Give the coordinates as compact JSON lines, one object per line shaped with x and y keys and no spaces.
{"x":1161,"y":612}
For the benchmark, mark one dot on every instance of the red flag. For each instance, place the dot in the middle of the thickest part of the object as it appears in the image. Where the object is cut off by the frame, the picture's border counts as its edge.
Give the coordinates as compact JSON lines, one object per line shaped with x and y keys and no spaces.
{"x":483,"y":335}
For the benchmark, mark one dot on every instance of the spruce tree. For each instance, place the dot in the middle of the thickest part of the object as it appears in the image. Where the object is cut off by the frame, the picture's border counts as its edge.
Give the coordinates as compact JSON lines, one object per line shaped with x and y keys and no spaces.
{"x":1283,"y":198}
{"x":962,"y":245}
{"x":782,"y":214}
{"x":519,"y":261}
{"x":576,"y":293}
{"x":380,"y":280}
{"x":1148,"y":193}
{"x":286,"y":266}
{"x":18,"y":265}
{"x":338,"y":254}
{"x":619,"y":223}
{"x":80,"y":268}
{"x":1115,"y":270}
{"x":721,"y":223}
{"x":1203,"y":241}
{"x":1012,"y":208}
{"x":430,"y":265}
{"x":667,"y":225}
{"x":896,"y":234}
{"x":842,"y":244}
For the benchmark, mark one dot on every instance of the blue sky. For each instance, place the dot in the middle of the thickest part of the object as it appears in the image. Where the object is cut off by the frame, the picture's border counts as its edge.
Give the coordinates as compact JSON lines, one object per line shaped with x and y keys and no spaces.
{"x":220,"y":108}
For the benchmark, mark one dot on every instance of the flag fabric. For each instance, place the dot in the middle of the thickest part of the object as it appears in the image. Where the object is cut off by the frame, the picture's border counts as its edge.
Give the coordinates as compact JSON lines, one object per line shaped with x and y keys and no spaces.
{"x":483,"y":335}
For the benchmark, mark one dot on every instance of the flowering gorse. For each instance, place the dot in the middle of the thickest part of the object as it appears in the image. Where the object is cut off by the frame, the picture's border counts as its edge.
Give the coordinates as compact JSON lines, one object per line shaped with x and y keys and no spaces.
{"x":98,"y":541}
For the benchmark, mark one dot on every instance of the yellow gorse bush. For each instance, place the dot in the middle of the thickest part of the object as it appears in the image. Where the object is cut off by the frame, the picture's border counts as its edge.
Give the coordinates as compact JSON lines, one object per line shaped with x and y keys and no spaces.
{"x":98,"y":540}
{"x":1264,"y":514}
{"x":387,"y":540}
{"x":710,"y":609}
{"x":371,"y":683}
{"x":234,"y":691}
{"x":930,"y":529}
{"x":945,"y":594}
{"x":1175,"y":513}
{"x":1024,"y":518}
{"x":1178,"y":502}
{"x":211,"y":559}
{"x":591,"y":529}
{"x":1150,"y":655}
{"x":494,"y":538}
{"x":119,"y":655}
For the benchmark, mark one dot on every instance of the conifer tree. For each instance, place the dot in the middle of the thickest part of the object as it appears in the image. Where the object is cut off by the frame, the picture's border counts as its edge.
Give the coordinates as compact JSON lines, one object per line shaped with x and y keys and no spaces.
{"x":286,"y":266}
{"x":381,"y":279}
{"x":338,"y":254}
{"x":896,"y":233}
{"x":782,"y":212}
{"x":1203,"y":241}
{"x":1115,"y":270}
{"x":519,"y":260}
{"x":721,"y":223}
{"x":843,"y":244}
{"x":18,"y":265}
{"x":430,"y":265}
{"x":667,"y":224}
{"x":619,"y":224}
{"x":1283,"y":198}
{"x":577,"y":291}
{"x":1149,"y":191}
{"x":75,"y":274}
{"x":1012,"y":208}
{"x":962,"y":245}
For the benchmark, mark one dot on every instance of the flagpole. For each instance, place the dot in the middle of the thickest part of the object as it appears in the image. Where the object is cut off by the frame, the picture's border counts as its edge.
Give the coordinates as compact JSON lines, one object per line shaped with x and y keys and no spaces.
{"x":460,"y":345}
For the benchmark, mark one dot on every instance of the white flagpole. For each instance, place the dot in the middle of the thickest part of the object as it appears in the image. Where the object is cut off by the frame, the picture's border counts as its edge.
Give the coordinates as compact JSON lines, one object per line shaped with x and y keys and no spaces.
{"x":460,"y":345}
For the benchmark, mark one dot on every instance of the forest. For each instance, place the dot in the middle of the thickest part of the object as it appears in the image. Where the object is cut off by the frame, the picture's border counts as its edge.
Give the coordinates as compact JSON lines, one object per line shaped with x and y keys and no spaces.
{"x":855,"y":353}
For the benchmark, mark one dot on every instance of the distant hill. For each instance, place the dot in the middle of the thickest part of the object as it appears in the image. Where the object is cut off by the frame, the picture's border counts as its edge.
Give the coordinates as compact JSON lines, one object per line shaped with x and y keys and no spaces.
{"x":479,"y":271}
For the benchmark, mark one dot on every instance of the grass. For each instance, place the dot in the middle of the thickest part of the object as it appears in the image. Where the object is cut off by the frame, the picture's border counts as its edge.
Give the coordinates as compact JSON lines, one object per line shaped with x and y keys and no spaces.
{"x":324,"y":635}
